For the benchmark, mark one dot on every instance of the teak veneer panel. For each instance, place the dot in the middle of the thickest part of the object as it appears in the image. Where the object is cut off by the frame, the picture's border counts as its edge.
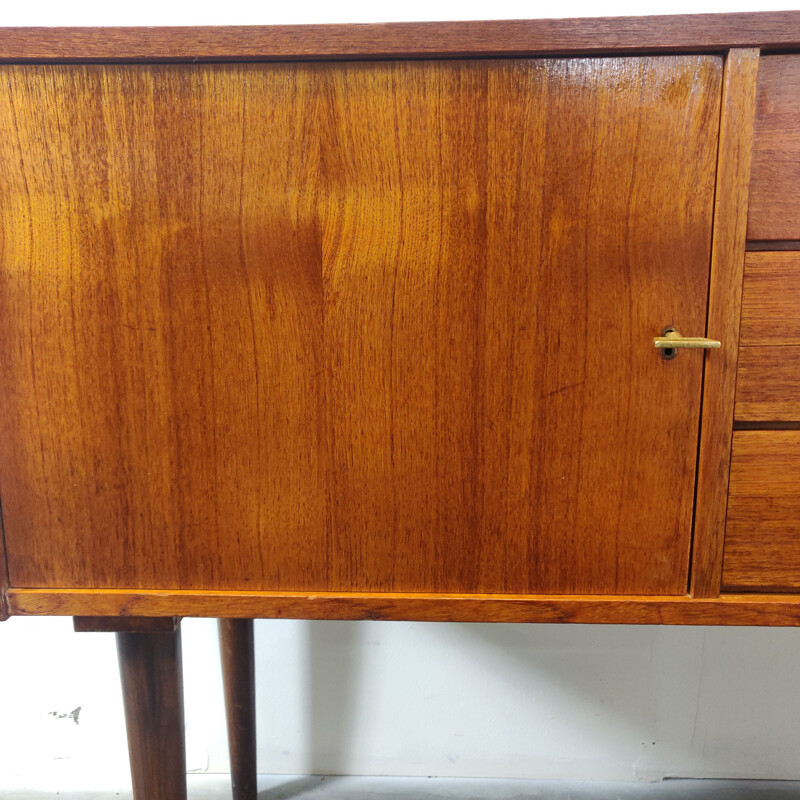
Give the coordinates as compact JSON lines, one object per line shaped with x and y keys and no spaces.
{"x":679,"y":32}
{"x":371,"y":326}
{"x":479,"y":431}
{"x":771,"y":300}
{"x":161,"y":305}
{"x":768,"y":383}
{"x":775,"y":183}
{"x":762,"y":538}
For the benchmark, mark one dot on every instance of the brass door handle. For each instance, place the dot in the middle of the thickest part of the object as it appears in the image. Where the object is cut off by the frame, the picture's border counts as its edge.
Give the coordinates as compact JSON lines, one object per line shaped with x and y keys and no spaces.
{"x":671,"y":341}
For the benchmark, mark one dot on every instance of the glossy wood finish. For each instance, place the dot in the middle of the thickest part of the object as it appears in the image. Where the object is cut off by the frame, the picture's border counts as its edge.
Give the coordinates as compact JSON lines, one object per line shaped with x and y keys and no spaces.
{"x":709,"y":32}
{"x":770,"y":308}
{"x":152,"y":689}
{"x":762,"y":540}
{"x":518,"y":454}
{"x":238,"y":675}
{"x":775,"y":184}
{"x":768,"y":384}
{"x":264,"y":345}
{"x":161,"y":257}
{"x":727,"y":267}
{"x":731,"y":609}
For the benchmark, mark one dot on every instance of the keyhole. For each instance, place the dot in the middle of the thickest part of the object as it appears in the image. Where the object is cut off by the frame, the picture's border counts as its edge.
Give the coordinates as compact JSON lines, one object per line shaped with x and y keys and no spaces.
{"x":668,"y":353}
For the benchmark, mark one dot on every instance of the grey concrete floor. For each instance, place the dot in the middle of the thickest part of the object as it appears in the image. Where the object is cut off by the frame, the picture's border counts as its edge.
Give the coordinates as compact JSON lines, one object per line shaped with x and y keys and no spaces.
{"x":287,"y":787}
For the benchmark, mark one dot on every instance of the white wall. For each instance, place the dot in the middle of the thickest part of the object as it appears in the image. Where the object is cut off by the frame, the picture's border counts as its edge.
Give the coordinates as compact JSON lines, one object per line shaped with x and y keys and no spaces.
{"x":598,"y":702}
{"x":593,"y":702}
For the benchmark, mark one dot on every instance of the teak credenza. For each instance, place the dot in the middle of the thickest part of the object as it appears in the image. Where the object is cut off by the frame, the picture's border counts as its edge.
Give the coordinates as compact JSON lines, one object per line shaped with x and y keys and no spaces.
{"x":489,"y":321}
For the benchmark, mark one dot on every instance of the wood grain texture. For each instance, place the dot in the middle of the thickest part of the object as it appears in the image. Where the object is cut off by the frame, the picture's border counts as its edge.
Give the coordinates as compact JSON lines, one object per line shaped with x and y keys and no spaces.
{"x":733,"y":609}
{"x":160,"y":257}
{"x":254,"y":342}
{"x":152,"y":693}
{"x":3,"y":571}
{"x":479,"y":437}
{"x":775,"y":183}
{"x":724,"y":311}
{"x":237,"y":649}
{"x":427,"y":39}
{"x":768,"y":383}
{"x":771,"y":300}
{"x":762,"y":538}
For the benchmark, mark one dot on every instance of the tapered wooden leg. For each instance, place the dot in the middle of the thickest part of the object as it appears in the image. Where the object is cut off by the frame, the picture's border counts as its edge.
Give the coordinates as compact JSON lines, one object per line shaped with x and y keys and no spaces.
{"x":238,"y":675}
{"x":152,"y":688}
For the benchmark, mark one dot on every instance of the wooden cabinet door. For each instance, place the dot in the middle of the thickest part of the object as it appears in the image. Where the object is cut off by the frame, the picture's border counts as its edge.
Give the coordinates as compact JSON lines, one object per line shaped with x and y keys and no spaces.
{"x":375,"y":326}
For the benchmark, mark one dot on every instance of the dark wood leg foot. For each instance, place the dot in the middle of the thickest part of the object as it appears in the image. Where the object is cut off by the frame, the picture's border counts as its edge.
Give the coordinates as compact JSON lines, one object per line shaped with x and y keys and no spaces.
{"x":238,"y":674}
{"x":152,"y":688}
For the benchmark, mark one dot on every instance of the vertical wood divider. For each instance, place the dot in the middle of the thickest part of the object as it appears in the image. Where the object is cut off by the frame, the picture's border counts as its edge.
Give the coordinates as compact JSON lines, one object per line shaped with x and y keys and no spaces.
{"x":4,"y":577}
{"x":724,"y":310}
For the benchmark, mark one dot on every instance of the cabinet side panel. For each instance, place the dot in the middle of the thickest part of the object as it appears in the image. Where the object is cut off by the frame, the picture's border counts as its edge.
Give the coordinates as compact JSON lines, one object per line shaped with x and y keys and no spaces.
{"x":724,"y":310}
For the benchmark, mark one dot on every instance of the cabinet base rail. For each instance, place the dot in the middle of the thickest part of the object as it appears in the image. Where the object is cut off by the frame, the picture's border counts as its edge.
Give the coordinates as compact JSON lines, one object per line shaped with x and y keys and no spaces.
{"x":729,"y":609}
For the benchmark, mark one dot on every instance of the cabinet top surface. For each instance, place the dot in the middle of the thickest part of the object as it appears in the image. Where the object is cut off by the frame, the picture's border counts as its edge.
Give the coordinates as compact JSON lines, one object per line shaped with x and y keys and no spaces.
{"x":769,"y":30}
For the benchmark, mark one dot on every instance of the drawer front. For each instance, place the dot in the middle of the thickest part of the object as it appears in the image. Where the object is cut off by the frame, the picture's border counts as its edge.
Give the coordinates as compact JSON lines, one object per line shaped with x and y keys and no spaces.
{"x":762,"y":537}
{"x":768,"y":383}
{"x":774,"y":206}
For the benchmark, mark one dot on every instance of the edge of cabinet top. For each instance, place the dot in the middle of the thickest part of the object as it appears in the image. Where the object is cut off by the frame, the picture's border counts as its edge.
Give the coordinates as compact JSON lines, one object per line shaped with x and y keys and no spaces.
{"x":689,"y":32}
